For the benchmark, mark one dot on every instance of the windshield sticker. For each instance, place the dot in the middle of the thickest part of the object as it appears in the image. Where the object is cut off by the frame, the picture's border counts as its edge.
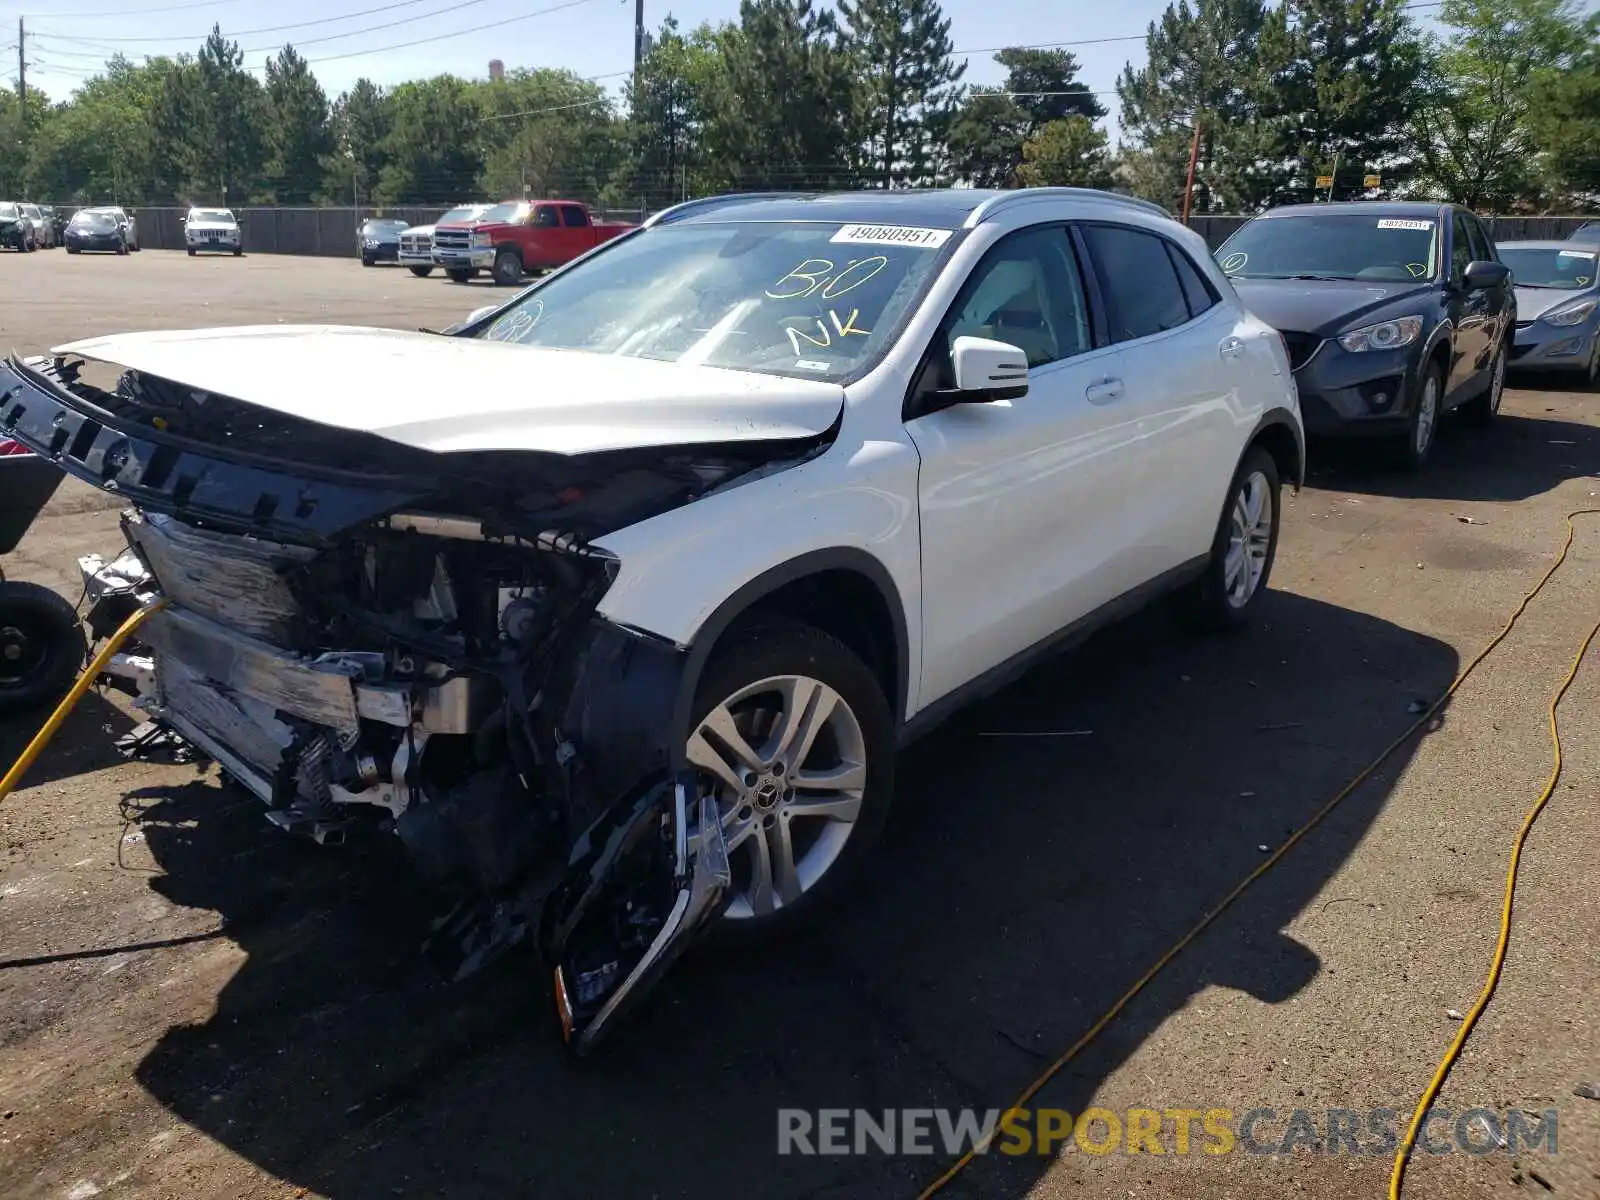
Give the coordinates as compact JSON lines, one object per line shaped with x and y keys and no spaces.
{"x":811,"y":364}
{"x":1589,"y":254}
{"x":817,"y":275}
{"x":1235,"y":262}
{"x":892,"y":235}
{"x":1398,"y":223}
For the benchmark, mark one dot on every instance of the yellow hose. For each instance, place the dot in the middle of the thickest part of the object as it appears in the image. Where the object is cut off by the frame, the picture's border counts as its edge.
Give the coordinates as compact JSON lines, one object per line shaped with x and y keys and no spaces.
{"x":1317,"y":818}
{"x":70,"y":701}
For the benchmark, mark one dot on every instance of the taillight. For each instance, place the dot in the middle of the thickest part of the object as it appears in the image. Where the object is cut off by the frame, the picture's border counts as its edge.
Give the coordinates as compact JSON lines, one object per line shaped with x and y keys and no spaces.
{"x":8,"y":447}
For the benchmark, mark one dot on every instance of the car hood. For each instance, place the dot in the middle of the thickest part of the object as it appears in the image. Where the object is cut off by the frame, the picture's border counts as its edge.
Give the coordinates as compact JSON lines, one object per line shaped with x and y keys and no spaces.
{"x":449,"y":394}
{"x":423,"y":230}
{"x":1319,"y":306}
{"x":1533,"y":302}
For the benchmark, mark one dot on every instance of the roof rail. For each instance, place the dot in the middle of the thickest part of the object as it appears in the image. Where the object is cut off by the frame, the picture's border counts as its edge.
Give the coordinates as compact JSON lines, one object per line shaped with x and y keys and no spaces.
{"x":996,"y":204}
{"x":668,"y":215}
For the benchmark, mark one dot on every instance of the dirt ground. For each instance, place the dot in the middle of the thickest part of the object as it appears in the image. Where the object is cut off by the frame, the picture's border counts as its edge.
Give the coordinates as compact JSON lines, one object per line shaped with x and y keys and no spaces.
{"x":192,"y":1005}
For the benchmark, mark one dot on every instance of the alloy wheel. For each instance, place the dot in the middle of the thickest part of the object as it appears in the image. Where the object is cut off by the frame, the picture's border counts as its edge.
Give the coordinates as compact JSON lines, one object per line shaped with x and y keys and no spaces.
{"x":786,"y":759}
{"x":1249,"y":539}
{"x":22,"y":652}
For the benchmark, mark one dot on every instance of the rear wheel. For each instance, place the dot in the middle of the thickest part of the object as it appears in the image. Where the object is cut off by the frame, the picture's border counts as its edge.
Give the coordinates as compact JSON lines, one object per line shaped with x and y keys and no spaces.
{"x":41,"y":646}
{"x":422,"y":272}
{"x":1244,"y":546}
{"x":795,"y":739}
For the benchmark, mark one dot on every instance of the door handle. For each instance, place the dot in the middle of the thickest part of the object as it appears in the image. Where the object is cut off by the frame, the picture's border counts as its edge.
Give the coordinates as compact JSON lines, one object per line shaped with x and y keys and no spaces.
{"x":1231,"y":348}
{"x":1103,"y":391}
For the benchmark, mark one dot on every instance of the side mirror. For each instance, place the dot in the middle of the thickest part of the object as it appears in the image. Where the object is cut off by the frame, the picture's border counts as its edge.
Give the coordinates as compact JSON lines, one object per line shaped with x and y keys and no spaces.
{"x":986,"y":370}
{"x":1485,"y":274}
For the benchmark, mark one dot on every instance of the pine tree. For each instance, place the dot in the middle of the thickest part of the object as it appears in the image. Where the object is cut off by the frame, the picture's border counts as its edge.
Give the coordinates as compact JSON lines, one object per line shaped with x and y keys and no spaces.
{"x":1348,"y":89}
{"x":1214,"y":64}
{"x":298,"y":135}
{"x":989,"y":129}
{"x":902,"y":51}
{"x":225,"y":142}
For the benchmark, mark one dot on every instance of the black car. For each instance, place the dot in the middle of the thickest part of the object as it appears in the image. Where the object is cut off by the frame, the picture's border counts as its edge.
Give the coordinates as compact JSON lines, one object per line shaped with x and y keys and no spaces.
{"x":378,"y":239}
{"x":16,"y":230}
{"x":95,"y":231}
{"x":1392,"y":312}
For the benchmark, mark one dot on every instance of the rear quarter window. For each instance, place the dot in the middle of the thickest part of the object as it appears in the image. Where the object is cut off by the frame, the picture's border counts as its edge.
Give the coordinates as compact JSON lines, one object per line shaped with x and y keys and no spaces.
{"x":1139,"y":281}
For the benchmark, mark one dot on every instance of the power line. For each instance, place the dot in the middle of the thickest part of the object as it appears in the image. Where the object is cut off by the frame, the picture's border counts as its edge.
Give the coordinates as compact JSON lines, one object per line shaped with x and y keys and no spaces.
{"x":238,"y":33}
{"x":135,"y":12}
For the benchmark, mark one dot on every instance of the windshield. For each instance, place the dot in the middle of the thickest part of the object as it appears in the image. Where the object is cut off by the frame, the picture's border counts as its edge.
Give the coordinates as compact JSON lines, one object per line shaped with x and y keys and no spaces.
{"x":31,"y":210}
{"x":466,"y":212}
{"x":94,"y":221}
{"x":7,"y":209}
{"x":382,"y":226}
{"x":1342,"y":245}
{"x":503,"y":212}
{"x":809,"y":300}
{"x":212,"y":214}
{"x":1570,"y":270}
{"x":1589,"y":232}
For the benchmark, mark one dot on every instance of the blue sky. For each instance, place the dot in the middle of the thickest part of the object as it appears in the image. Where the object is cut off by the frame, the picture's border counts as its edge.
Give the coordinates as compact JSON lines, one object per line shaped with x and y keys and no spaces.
{"x":69,"y":38}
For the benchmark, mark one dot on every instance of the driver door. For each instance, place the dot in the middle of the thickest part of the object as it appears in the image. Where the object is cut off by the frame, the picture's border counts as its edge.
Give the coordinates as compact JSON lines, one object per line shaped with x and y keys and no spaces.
{"x":1016,"y":496}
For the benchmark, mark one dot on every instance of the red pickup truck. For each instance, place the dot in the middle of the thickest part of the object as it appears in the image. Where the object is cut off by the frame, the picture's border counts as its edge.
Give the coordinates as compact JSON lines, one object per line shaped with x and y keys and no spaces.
{"x":520,"y":236}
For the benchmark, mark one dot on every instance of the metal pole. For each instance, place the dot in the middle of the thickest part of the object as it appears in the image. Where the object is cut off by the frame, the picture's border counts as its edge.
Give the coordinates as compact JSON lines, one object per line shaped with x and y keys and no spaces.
{"x":22,"y":76}
{"x":1333,"y":178}
{"x":638,"y":37}
{"x":1194,"y":159}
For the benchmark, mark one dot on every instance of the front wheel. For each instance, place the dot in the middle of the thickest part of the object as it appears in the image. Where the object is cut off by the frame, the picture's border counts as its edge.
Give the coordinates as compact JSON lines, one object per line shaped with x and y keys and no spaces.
{"x":794,"y":737}
{"x":1422,"y":426}
{"x":1244,"y":546}
{"x":507,"y":270}
{"x":421,"y":272}
{"x":459,"y":274}
{"x":41,"y":646}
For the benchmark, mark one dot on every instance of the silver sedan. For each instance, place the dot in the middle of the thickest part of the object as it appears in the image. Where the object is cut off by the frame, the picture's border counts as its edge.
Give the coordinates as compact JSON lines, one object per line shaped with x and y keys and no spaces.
{"x":1558,"y":307}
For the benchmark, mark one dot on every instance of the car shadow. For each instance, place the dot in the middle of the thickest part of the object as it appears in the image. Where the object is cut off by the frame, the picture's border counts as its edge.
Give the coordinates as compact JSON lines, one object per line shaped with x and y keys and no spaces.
{"x":85,"y":742}
{"x":1045,"y":848}
{"x":1518,"y":457}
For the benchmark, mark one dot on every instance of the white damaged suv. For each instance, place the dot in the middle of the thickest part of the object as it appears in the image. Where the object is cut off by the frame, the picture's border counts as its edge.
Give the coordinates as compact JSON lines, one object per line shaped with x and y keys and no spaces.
{"x":615,"y":603}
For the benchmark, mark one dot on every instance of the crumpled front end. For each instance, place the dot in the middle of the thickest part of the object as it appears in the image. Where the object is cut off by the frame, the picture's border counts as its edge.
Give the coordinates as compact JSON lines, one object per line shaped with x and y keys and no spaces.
{"x":376,"y":648}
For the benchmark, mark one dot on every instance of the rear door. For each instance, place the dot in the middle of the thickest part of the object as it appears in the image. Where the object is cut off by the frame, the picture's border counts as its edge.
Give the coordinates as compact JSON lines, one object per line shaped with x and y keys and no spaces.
{"x":1189,"y":365}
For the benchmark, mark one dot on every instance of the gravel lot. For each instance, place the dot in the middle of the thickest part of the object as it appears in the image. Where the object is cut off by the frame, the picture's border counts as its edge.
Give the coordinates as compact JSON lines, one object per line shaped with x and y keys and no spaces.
{"x":193,"y":1006}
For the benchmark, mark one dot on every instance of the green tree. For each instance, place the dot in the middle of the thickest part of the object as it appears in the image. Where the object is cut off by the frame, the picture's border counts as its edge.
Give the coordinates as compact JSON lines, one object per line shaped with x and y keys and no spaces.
{"x":360,"y":122}
{"x":1473,"y":136}
{"x":225,"y":145}
{"x":902,"y":51}
{"x":299,"y":138}
{"x":989,"y":129}
{"x":23,"y":122}
{"x":667,"y":106}
{"x":781,"y":111}
{"x":432,"y":152}
{"x":1348,"y":88}
{"x":1069,"y":152}
{"x":546,"y":132}
{"x":1564,"y":110}
{"x":1214,"y":64}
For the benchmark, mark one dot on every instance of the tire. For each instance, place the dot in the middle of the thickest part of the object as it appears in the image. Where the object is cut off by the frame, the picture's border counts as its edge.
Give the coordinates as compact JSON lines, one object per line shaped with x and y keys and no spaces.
{"x":237,"y":253}
{"x":365,"y":261}
{"x":421,"y":272}
{"x":191,"y":254}
{"x":1422,"y":430}
{"x":459,"y":274}
{"x":41,"y":647}
{"x":507,"y":269}
{"x":73,"y":250}
{"x":1587,"y":377}
{"x":1481,"y":411}
{"x":859,"y":726}
{"x":122,"y":249}
{"x":1242,"y":552}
